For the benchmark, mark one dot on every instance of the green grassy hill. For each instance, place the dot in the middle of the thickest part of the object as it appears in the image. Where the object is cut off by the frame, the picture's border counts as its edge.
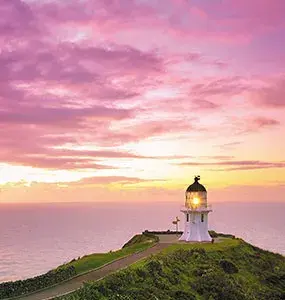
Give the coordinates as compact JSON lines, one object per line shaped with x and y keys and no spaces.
{"x":74,"y":268}
{"x":228,"y":270}
{"x":90,"y":262}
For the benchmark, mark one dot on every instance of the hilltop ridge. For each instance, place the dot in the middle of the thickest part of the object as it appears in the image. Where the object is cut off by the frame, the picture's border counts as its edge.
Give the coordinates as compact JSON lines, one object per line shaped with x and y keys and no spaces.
{"x":155,"y":265}
{"x":229,"y":270}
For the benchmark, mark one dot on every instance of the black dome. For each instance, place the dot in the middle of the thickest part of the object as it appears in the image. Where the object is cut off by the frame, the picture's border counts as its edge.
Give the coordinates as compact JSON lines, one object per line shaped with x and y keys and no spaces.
{"x":196,"y":186}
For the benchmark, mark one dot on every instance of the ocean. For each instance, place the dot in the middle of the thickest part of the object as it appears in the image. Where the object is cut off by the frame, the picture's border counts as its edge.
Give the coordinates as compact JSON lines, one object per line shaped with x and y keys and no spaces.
{"x":35,"y":238}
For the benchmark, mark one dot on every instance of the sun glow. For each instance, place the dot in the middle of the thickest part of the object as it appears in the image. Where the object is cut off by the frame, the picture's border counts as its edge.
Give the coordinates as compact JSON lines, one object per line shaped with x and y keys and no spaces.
{"x":196,"y":201}
{"x":14,"y":174}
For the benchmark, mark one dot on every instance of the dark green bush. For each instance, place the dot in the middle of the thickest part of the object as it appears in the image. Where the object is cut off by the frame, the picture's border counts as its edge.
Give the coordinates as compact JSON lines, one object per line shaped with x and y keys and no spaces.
{"x":22,"y":287}
{"x":142,"y":273}
{"x":183,"y":295}
{"x":271,"y":294}
{"x":154,"y":267}
{"x":119,"y":297}
{"x":213,"y":234}
{"x":218,"y":286}
{"x":228,"y":266}
{"x":201,"y":269}
{"x":276,"y":278}
{"x":88,"y":292}
{"x":162,"y":232}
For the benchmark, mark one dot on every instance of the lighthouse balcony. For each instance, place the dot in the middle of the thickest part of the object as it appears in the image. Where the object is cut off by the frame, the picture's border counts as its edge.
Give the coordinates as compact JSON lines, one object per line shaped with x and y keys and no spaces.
{"x":198,"y":208}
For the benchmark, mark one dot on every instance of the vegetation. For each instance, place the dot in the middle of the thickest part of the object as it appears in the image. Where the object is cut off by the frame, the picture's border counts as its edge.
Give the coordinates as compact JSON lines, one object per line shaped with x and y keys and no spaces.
{"x":21,"y":287}
{"x":215,"y":234}
{"x":74,"y":268}
{"x":142,"y":238}
{"x":162,"y":232}
{"x":96,"y":260}
{"x":228,"y":270}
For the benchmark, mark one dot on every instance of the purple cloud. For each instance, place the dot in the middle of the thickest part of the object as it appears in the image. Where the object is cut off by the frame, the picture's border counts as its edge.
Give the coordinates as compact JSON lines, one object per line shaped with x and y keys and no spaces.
{"x":52,"y":116}
{"x":111,"y":179}
{"x":17,"y":19}
{"x":272,"y":95}
{"x":238,"y":165}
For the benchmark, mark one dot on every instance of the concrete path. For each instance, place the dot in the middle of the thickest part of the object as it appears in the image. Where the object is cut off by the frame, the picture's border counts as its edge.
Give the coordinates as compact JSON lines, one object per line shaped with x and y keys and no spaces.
{"x":77,"y":282}
{"x":169,"y":238}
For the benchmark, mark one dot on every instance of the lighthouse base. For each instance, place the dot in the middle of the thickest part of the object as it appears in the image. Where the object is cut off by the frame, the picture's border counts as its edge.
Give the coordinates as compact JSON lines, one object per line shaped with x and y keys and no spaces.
{"x":196,"y":227}
{"x":196,"y":236}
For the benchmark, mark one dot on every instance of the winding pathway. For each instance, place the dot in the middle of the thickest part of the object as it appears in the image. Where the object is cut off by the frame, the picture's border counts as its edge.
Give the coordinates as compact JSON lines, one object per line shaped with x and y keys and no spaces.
{"x":77,"y":282}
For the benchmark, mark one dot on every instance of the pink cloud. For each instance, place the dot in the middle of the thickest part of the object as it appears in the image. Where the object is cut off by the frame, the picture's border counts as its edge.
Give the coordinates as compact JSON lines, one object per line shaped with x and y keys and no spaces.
{"x":111,"y":179}
{"x":57,"y":163}
{"x":37,"y":149}
{"x":143,"y":130}
{"x":226,"y":21}
{"x":237,"y":126}
{"x":260,"y":12}
{"x":107,"y":73}
{"x":52,"y":116}
{"x":221,"y":86}
{"x":196,"y":58}
{"x":227,"y":146}
{"x":238,"y":165}
{"x":264,"y":122}
{"x":271,"y":95}
{"x":112,"y":17}
{"x":244,"y":16}
{"x":69,"y":63}
{"x":200,"y":104}
{"x":16,"y":10}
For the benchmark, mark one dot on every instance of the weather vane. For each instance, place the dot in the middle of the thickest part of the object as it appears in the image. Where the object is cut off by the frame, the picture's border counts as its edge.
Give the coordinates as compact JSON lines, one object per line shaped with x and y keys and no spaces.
{"x":175,"y":222}
{"x":197,"y":178}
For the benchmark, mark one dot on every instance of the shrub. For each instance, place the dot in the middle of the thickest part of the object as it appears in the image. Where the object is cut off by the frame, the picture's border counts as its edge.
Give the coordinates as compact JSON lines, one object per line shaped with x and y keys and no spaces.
{"x":213,"y":234}
{"x":271,"y":294}
{"x":141,"y":273}
{"x":120,"y":297}
{"x":162,"y":232}
{"x":21,"y":287}
{"x":219,"y":286}
{"x":87,"y":292}
{"x":228,"y":266}
{"x":182,"y":255}
{"x":183,"y":295}
{"x":154,"y":267}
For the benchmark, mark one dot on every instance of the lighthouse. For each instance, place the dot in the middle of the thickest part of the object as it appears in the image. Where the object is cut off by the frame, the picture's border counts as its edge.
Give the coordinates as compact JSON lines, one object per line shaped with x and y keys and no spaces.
{"x":196,"y":210}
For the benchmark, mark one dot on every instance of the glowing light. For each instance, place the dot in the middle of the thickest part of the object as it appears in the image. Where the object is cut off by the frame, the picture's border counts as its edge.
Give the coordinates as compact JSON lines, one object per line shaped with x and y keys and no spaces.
{"x":196,"y":201}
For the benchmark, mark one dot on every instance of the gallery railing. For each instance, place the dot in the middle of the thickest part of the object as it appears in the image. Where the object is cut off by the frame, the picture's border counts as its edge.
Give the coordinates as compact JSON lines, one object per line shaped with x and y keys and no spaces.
{"x":197,"y":207}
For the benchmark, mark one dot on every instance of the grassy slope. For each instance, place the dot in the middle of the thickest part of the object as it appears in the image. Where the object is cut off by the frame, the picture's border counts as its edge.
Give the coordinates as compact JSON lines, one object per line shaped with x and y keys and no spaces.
{"x":222,"y":245}
{"x":84,"y":264}
{"x":231,"y":269}
{"x":96,"y":260}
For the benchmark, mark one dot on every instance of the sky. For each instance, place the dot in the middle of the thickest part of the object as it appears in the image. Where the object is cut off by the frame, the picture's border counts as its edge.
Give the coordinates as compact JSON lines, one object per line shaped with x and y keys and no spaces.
{"x":128,"y":100}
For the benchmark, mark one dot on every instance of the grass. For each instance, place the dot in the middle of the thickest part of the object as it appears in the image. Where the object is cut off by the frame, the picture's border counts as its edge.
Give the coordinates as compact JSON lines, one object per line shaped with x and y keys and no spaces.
{"x":96,"y":260}
{"x":227,"y":270}
{"x":141,"y":238}
{"x":74,"y":268}
{"x":223,"y":244}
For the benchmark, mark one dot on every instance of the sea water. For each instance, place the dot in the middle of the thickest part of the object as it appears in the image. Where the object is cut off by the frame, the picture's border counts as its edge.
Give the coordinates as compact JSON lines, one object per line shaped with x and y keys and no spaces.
{"x":35,"y":238}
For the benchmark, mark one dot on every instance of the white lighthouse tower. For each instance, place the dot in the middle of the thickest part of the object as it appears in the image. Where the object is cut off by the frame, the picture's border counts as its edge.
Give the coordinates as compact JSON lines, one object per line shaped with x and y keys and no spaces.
{"x":196,"y":210}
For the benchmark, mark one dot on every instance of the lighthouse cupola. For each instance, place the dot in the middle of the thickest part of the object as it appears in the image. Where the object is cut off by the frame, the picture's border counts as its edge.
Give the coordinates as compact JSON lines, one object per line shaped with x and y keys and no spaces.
{"x":196,"y":194}
{"x":196,"y":210}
